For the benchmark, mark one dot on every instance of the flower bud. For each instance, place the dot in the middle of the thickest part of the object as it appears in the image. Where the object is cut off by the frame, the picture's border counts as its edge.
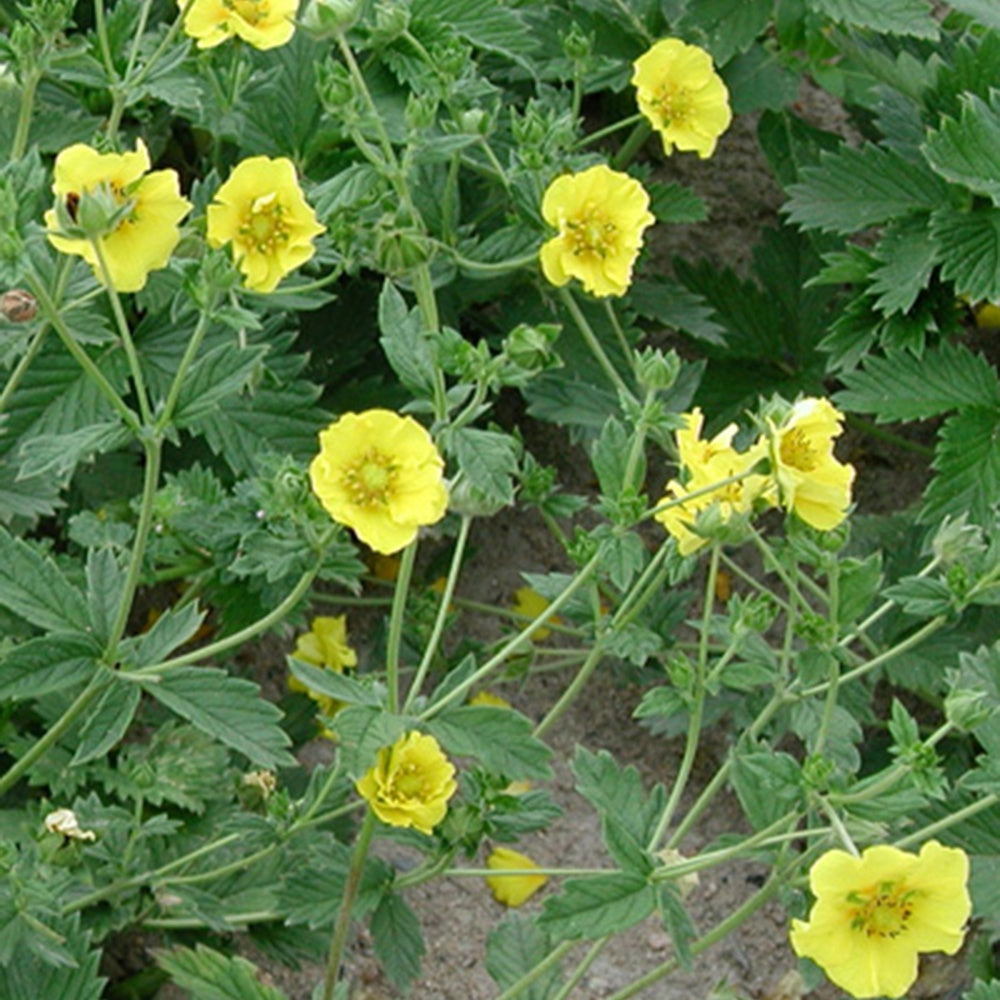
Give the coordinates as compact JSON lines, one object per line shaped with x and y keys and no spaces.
{"x":966,"y":708}
{"x":328,"y":18}
{"x":576,"y":43}
{"x":531,"y":346}
{"x":421,"y":111}
{"x":391,"y":20}
{"x":18,"y":306}
{"x":656,"y":370}
{"x":398,"y":251}
{"x":334,"y":87}
{"x":475,"y":121}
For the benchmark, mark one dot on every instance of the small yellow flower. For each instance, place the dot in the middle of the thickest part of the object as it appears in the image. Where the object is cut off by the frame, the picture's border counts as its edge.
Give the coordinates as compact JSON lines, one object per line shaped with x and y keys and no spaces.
{"x":380,"y":474}
{"x":65,"y":823}
{"x":531,"y":604}
{"x":410,"y":783}
{"x":144,"y":240}
{"x":806,"y":477}
{"x":707,"y":463}
{"x":264,"y":24}
{"x":489,"y":699}
{"x":600,"y":214}
{"x":325,"y":645}
{"x":873,"y":915}
{"x":261,"y":211}
{"x":682,"y":96}
{"x":512,"y":890}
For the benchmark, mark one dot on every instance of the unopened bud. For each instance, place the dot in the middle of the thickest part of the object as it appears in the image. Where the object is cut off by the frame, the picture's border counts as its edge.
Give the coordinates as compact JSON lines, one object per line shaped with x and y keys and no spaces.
{"x":656,"y":370}
{"x":391,"y":20}
{"x":531,"y":346}
{"x":327,"y":18}
{"x":18,"y":306}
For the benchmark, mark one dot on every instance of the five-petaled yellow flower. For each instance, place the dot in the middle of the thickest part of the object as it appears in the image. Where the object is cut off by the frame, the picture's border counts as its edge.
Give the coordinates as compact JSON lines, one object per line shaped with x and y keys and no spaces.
{"x":682,"y":96}
{"x":708,"y":463}
{"x":264,"y":24}
{"x":261,"y":211}
{"x":513,"y":890}
{"x":325,"y":645}
{"x":145,"y":238}
{"x":600,"y":214}
{"x":380,"y":474}
{"x":410,"y":784}
{"x":873,"y":915}
{"x":806,"y":477}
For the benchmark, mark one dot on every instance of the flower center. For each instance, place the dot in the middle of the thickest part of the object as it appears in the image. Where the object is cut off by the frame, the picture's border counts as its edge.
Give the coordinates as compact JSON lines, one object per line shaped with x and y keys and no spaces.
{"x":591,"y":232}
{"x":254,"y":12}
{"x":263,"y":227}
{"x":796,"y":451}
{"x":408,"y":782}
{"x":674,"y":103}
{"x":369,"y":480}
{"x":883,"y":911}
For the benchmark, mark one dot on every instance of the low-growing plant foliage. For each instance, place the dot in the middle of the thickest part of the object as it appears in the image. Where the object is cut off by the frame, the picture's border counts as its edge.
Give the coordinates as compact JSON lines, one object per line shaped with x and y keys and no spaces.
{"x":267,"y":271}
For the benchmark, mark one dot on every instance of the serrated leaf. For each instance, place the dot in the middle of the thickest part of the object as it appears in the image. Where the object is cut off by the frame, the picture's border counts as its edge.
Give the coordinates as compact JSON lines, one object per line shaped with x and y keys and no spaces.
{"x":107,"y":722}
{"x":676,"y":203}
{"x":589,"y":908}
{"x":208,"y":975}
{"x":60,"y":454}
{"x":984,"y":11}
{"x":921,"y":596}
{"x":855,"y":188}
{"x":223,"y":371}
{"x":618,"y":792}
{"x":228,"y":708}
{"x":333,"y":684}
{"x":399,"y":945}
{"x":363,"y":731}
{"x":969,"y":243}
{"x":33,"y":587}
{"x":28,"y":976}
{"x":967,"y":464}
{"x":623,"y":847}
{"x":907,"y":255}
{"x":488,"y":459}
{"x":967,"y":151}
{"x":677,"y":923}
{"x":48,"y":663}
{"x":768,"y":785}
{"x":171,"y":629}
{"x":758,"y":79}
{"x":897,"y":17}
{"x":500,"y":738}
{"x":484,"y":24}
{"x":406,"y":347}
{"x":725,"y":29}
{"x":516,"y":944}
{"x":609,"y":455}
{"x":904,"y":387}
{"x":105,"y":585}
{"x":677,"y":307}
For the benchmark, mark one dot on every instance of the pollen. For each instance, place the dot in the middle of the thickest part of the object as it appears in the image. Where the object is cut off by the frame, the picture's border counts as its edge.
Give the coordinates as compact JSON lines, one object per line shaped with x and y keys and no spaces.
{"x":369,"y":480}
{"x":797,"y":452}
{"x":264,"y":227}
{"x":883,"y":911}
{"x":674,"y":104}
{"x":591,"y":232}
{"x":253,"y":12}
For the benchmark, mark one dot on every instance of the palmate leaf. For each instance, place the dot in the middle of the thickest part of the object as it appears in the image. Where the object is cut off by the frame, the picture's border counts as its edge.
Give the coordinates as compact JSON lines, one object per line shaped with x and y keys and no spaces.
{"x":28,"y":976}
{"x":49,"y":663}
{"x":984,"y":11}
{"x":483,"y":23}
{"x":907,"y":255}
{"x":902,"y":386}
{"x":855,"y":188}
{"x":723,"y":27}
{"x":967,"y":466}
{"x":223,"y":371}
{"x":227,"y":708}
{"x":967,"y":151}
{"x":209,"y":975}
{"x":618,"y":792}
{"x":589,"y":908}
{"x":969,"y":249}
{"x":516,"y":944}
{"x":897,"y":17}
{"x":399,"y":945}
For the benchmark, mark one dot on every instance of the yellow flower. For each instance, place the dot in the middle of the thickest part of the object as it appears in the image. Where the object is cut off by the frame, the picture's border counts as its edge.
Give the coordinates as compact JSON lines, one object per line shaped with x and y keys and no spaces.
{"x":682,"y":96}
{"x":600,"y":215}
{"x":265,"y":24}
{"x":513,"y":890}
{"x":410,"y":783}
{"x":874,"y":914}
{"x":144,"y":240}
{"x":806,"y":476}
{"x":325,"y":645}
{"x":260,"y":210}
{"x":531,"y":604}
{"x":708,"y":463}
{"x":489,"y":699}
{"x":380,"y":474}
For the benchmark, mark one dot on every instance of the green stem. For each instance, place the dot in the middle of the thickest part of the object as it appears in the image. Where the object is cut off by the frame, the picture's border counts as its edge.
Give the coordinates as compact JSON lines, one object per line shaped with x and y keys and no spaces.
{"x":590,"y":338}
{"x":124,"y":333}
{"x":622,"y":340}
{"x":82,"y":358}
{"x":442,"y":614}
{"x":338,"y":939}
{"x":748,"y":578}
{"x":555,"y":956}
{"x":460,"y":690}
{"x":171,"y":34}
{"x":101,"y":25}
{"x":423,"y":287}
{"x":635,"y":141}
{"x":582,"y":966}
{"x":194,"y":343}
{"x":881,"y":434}
{"x":697,"y":709}
{"x":55,"y":731}
{"x":244,"y":635}
{"x":23,"y":364}
{"x":839,"y":829}
{"x":987,"y":802}
{"x":151,"y":478}
{"x":716,"y":934}
{"x":19,"y":144}
{"x":603,"y":133}
{"x":487,"y":267}
{"x":396,"y":618}
{"x":578,"y":683}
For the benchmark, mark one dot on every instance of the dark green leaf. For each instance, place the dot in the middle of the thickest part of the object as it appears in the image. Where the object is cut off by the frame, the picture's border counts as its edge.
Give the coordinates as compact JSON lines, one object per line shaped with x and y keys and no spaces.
{"x":768,"y":785}
{"x":27,"y":975}
{"x":676,"y":922}
{"x":984,"y":11}
{"x":363,"y":731}
{"x":209,"y":975}
{"x":500,"y":738}
{"x":618,"y":792}
{"x":967,"y":151}
{"x":515,"y":945}
{"x":898,"y":17}
{"x":222,"y":372}
{"x":676,"y":307}
{"x":399,"y":945}
{"x":107,"y":722}
{"x":609,"y":456}
{"x":333,"y":684}
{"x":969,"y":244}
{"x":967,"y":464}
{"x":623,"y":847}
{"x":60,"y":454}
{"x":172,"y":629}
{"x":48,"y":663}
{"x":488,"y":459}
{"x":907,"y":255}
{"x":723,"y":28}
{"x":589,"y":908}
{"x":105,"y":585}
{"x":404,"y":342}
{"x":228,"y":708}
{"x":675,"y":203}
